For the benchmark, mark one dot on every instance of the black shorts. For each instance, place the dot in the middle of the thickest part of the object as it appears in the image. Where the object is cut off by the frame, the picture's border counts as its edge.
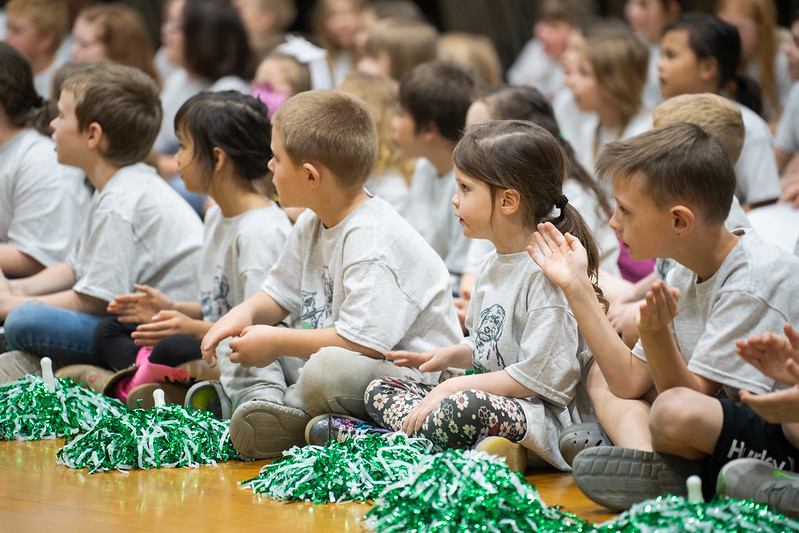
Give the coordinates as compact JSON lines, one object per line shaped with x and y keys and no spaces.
{"x":745,"y":434}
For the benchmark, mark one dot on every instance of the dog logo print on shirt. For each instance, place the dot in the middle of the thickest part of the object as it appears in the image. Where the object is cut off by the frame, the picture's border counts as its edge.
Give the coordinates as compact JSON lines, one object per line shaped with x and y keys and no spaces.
{"x":486,"y":339}
{"x":313,"y":315}
{"x":215,"y":302}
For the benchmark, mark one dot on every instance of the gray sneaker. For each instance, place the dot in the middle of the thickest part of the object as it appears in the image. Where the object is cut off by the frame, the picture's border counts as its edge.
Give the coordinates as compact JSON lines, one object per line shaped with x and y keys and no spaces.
{"x":619,"y":477}
{"x":209,"y":396}
{"x":758,"y":480}
{"x":17,"y":364}
{"x":338,"y":428}
{"x":261,"y":429}
{"x":578,"y":437}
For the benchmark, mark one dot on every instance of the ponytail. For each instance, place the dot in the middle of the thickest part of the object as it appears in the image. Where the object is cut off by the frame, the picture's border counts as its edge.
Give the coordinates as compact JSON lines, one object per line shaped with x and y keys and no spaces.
{"x":569,"y":220}
{"x":746,"y":91}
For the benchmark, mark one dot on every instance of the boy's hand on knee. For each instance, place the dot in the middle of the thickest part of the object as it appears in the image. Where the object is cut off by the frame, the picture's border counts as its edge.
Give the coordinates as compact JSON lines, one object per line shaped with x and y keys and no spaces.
{"x":658,"y":308}
{"x":256,"y":346}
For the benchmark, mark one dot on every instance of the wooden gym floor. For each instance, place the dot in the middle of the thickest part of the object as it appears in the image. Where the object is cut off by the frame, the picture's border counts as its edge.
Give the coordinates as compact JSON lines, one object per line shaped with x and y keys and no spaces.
{"x":36,"y":494}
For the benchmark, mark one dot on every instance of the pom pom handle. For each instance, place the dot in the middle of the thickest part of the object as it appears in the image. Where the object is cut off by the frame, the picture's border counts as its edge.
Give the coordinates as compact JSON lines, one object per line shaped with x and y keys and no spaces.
{"x":158,"y":398}
{"x":47,"y":374}
{"x":694,"y":486}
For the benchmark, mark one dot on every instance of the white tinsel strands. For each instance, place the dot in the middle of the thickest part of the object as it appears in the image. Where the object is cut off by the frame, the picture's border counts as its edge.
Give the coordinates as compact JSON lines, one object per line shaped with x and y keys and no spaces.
{"x":167,"y":436}
{"x":674,"y":514}
{"x":358,"y":469}
{"x":464,"y":490}
{"x":28,"y":411}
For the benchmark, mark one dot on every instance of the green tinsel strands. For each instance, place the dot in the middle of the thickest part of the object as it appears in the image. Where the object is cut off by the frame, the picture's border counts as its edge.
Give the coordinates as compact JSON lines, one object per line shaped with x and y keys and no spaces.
{"x":676,"y":514}
{"x":165,"y":436}
{"x":358,"y":469}
{"x":28,"y":411}
{"x":465,"y":490}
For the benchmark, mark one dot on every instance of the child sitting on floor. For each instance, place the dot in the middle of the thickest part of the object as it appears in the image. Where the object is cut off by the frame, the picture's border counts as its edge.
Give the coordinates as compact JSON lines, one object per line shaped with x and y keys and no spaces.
{"x":358,"y":276}
{"x":524,"y":345}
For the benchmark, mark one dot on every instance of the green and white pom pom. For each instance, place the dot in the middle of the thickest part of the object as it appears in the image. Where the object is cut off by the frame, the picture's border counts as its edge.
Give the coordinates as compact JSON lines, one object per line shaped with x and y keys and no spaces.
{"x":33,"y":408}
{"x":164,"y":436}
{"x":358,"y":469}
{"x":673,"y":514}
{"x":465,"y":490}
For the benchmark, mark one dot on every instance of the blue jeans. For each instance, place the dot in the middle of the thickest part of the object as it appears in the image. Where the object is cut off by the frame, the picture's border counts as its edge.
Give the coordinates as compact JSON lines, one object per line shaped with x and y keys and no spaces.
{"x":63,"y":335}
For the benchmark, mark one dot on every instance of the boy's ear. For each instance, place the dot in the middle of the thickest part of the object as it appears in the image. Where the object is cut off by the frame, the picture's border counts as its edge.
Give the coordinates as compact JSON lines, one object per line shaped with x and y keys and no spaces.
{"x":94,"y":135}
{"x":313,"y":175}
{"x":429,"y":130}
{"x":509,"y":201}
{"x":683,"y":220}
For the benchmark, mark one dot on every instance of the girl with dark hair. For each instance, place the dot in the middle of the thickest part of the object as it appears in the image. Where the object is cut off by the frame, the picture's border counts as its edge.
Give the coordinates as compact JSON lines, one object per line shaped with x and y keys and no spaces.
{"x":700,"y":53}
{"x":524,"y":345}
{"x":224,"y":153}
{"x":207,"y":40}
{"x":42,"y":203}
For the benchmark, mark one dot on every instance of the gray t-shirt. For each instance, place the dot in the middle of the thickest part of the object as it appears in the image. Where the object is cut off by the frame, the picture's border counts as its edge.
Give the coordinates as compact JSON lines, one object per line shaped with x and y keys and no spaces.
{"x":238,"y":252}
{"x":787,"y":138}
{"x":139,"y":231}
{"x":371,"y":276}
{"x":43,"y":205}
{"x":753,"y":291}
{"x":431,"y":212}
{"x":520,"y":321}
{"x":756,"y":174}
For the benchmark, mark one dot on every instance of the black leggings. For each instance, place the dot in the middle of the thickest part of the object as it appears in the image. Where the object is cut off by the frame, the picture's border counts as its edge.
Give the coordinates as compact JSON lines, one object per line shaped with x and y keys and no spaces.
{"x":116,"y":347}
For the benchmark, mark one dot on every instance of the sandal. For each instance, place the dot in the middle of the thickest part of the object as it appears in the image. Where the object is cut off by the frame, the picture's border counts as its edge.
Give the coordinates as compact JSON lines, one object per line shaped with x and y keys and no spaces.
{"x":578,"y":437}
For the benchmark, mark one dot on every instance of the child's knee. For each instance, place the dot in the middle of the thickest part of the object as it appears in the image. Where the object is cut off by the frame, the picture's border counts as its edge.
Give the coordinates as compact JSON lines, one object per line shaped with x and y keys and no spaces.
{"x":22,"y":320}
{"x":674,"y":414}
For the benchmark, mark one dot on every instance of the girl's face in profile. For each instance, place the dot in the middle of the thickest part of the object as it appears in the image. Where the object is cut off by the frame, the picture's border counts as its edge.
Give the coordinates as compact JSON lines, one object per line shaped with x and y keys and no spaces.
{"x":584,"y":86}
{"x":187,"y":166}
{"x":172,"y":33}
{"x":646,"y":18}
{"x":473,"y":206}
{"x":342,"y":19}
{"x":86,"y":46}
{"x":679,"y":70}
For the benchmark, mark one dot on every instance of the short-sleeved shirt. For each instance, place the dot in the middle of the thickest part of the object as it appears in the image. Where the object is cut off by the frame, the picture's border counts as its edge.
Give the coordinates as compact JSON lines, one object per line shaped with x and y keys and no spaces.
{"x":787,"y":138}
{"x":756,"y":174}
{"x":371,"y":276}
{"x":533,"y":67}
{"x":753,"y":291}
{"x":521,"y":322}
{"x":238,"y":252}
{"x":139,"y":230}
{"x":43,"y":205}
{"x":431,"y":212}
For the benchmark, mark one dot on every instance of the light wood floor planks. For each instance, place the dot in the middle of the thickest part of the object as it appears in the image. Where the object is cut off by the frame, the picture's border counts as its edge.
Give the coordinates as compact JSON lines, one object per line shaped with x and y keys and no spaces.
{"x":37,"y":495}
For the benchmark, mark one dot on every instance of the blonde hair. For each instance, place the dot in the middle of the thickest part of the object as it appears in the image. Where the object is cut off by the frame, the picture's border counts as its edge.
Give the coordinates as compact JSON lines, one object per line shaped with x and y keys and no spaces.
{"x":713,"y":112}
{"x":381,"y":95}
{"x":475,"y":52}
{"x":48,"y":16}
{"x":123,"y":34}
{"x":331,"y":128}
{"x":619,"y":60}
{"x":764,"y":14}
{"x":407,"y":44}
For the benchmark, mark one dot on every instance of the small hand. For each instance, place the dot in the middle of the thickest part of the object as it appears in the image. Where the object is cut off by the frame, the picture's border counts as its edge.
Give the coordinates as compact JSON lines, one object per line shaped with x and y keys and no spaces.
{"x":255,"y":346}
{"x":433,"y":360}
{"x":562,"y":257}
{"x":780,"y":406}
{"x":139,"y":306}
{"x":419,"y":413}
{"x":658,"y":308}
{"x":164,"y":323}
{"x":769,"y":353}
{"x":230,"y":325}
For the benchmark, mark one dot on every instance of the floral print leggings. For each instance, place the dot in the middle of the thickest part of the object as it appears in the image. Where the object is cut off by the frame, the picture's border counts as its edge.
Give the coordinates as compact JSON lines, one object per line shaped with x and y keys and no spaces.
{"x":458,"y":422}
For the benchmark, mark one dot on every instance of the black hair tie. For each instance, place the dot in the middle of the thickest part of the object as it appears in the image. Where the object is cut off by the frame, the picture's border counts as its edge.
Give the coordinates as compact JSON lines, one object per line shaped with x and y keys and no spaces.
{"x":38,"y":101}
{"x":561,"y":201}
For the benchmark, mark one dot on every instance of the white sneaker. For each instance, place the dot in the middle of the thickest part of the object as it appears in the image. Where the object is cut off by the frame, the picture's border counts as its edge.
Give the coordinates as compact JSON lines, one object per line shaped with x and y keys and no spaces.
{"x":17,"y":364}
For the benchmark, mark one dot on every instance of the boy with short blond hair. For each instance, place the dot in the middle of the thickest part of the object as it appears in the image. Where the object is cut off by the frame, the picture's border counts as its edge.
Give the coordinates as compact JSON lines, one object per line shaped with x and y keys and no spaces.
{"x":138,"y":230}
{"x":433,"y":100}
{"x":673,"y":188}
{"x":36,"y":28}
{"x":358,"y":277}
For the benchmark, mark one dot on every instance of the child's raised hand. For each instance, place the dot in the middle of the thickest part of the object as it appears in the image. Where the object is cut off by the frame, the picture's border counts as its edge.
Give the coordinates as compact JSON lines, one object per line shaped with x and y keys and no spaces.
{"x":562,"y":257}
{"x":658,"y":308}
{"x":254,"y":346}
{"x":140,"y":306}
{"x":771,"y":353}
{"x":164,"y":323}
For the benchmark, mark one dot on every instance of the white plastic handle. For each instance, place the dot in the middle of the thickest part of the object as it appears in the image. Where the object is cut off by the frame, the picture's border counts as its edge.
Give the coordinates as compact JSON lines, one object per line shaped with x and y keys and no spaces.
{"x":47,"y":374}
{"x":158,"y":398}
{"x":694,"y":486}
